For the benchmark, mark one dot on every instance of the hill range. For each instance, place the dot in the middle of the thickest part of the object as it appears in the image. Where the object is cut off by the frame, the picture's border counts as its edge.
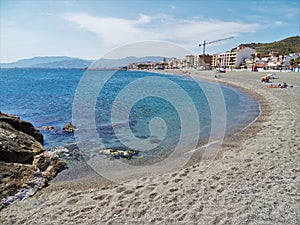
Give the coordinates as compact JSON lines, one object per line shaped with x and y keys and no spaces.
{"x":65,"y":62}
{"x":284,"y":47}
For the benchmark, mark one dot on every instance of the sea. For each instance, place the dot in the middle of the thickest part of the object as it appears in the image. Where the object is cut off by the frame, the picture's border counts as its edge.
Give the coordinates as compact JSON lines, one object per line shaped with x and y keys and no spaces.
{"x":124,"y":109}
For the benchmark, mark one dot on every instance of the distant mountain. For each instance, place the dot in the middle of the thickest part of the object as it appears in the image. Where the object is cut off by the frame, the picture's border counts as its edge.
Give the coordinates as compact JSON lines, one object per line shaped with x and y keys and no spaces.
{"x":284,"y":47}
{"x":117,"y":63}
{"x":69,"y":62}
{"x":48,"y":62}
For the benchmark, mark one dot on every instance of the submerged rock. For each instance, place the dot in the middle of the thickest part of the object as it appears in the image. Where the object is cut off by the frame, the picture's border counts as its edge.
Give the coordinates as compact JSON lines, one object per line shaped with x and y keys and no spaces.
{"x":25,"y":166}
{"x":70,"y":128}
{"x":50,"y":128}
{"x":117,"y":153}
{"x":69,"y":152}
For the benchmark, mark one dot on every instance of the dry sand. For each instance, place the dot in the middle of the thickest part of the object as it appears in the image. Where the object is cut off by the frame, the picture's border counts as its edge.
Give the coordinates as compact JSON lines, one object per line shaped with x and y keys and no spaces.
{"x":255,"y":180}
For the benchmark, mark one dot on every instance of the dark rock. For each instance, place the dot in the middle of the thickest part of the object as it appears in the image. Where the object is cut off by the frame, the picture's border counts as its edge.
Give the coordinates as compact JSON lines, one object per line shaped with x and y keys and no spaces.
{"x":16,"y":146}
{"x":70,"y":128}
{"x":25,"y":166}
{"x":23,"y":126}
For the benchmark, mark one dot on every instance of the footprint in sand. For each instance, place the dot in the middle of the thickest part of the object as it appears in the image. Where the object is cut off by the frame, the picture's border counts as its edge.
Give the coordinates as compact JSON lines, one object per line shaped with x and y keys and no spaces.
{"x":165,"y":183}
{"x":120,"y":189}
{"x":100,"y":197}
{"x":87,"y":209}
{"x":173,"y":189}
{"x":72,"y":201}
{"x":191,"y":191}
{"x":127,"y":192}
{"x":183,"y":174}
{"x":177,"y":180}
{"x":152,"y":195}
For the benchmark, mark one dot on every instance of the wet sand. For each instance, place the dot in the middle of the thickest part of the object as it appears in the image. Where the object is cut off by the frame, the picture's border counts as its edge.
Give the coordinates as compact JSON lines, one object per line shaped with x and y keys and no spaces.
{"x":255,"y":178}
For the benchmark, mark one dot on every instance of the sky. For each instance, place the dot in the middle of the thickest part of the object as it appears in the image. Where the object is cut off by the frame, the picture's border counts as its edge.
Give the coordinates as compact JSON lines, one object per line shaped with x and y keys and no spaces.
{"x":90,"y":29}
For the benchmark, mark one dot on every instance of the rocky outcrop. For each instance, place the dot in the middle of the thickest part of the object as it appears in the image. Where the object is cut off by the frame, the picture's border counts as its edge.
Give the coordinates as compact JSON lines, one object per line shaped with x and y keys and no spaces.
{"x":22,"y":126}
{"x":48,"y":164}
{"x":16,"y":146}
{"x":69,"y":127}
{"x":25,"y":166}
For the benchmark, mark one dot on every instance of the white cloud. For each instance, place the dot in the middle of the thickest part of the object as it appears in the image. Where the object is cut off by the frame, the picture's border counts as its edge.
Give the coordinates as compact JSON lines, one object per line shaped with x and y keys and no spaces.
{"x":114,"y":30}
{"x":46,"y":14}
{"x":278,"y":23}
{"x":187,"y":32}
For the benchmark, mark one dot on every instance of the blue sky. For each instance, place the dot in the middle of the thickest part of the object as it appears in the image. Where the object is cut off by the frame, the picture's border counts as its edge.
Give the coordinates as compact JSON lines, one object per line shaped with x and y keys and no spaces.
{"x":90,"y":29}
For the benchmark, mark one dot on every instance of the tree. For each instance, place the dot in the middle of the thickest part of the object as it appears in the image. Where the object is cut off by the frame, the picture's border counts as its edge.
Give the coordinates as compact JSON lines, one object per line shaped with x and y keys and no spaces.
{"x":292,"y":62}
{"x":295,"y":62}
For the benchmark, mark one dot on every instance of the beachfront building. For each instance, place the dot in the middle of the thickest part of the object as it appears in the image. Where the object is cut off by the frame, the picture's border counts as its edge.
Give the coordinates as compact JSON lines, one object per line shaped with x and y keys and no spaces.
{"x":248,"y":64}
{"x":274,"y":61}
{"x":197,"y":62}
{"x":205,"y":62}
{"x":175,"y":63}
{"x":290,"y":57}
{"x":189,"y":62}
{"x":215,"y":60}
{"x":232,"y":59}
{"x":141,"y":66}
{"x":224,"y":59}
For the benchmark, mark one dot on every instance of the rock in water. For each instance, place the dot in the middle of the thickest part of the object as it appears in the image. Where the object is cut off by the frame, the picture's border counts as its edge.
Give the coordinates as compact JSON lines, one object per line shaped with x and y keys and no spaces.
{"x":118,"y":153}
{"x":48,"y":128}
{"x":70,"y":128}
{"x":25,"y":166}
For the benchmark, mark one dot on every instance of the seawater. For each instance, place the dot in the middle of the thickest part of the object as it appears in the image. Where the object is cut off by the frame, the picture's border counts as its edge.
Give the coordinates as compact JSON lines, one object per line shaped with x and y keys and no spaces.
{"x":45,"y":97}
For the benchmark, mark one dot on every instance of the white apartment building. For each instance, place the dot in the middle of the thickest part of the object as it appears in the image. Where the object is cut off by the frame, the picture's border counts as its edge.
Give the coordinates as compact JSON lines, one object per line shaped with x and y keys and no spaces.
{"x":190,"y":61}
{"x":232,"y":59}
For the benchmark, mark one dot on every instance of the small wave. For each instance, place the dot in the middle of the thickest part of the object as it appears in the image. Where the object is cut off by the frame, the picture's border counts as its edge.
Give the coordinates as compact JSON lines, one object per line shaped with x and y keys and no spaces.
{"x":115,"y":124}
{"x":203,"y":146}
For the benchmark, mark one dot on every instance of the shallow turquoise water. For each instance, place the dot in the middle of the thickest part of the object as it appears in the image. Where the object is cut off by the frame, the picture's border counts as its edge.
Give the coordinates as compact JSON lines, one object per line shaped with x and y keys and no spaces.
{"x":45,"y":97}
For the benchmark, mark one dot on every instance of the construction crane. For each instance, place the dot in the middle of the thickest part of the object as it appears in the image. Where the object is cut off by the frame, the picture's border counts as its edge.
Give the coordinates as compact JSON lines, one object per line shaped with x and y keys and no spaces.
{"x":210,"y":42}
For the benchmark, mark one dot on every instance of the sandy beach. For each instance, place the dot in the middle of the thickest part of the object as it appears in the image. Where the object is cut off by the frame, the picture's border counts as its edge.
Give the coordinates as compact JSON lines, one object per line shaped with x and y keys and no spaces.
{"x":255,"y":178}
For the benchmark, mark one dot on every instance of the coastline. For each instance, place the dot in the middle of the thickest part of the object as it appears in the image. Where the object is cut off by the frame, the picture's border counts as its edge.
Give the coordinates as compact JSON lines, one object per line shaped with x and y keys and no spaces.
{"x":236,"y":138}
{"x":255,"y":178}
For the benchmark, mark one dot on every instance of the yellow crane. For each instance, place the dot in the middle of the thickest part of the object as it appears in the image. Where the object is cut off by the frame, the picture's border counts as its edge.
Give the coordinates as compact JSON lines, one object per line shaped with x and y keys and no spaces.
{"x":210,"y":42}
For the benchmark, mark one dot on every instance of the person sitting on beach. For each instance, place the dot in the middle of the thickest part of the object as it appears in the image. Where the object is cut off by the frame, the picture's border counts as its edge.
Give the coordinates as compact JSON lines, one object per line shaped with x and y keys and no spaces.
{"x":265,"y":79}
{"x":284,"y":85}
